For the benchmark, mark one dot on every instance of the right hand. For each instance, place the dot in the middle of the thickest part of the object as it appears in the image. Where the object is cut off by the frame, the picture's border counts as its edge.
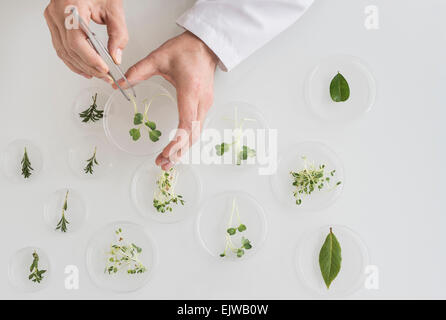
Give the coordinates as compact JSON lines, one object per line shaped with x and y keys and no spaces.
{"x":72,"y":46}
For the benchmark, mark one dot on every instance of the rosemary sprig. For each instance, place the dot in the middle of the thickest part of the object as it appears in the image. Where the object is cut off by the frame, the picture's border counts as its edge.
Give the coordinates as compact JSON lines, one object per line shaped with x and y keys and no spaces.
{"x":165,"y":194}
{"x":310,"y":179}
{"x":231,"y":231}
{"x":62,"y":224}
{"x":36,"y":274}
{"x":92,"y":114}
{"x":90,"y":163}
{"x":26,"y":165}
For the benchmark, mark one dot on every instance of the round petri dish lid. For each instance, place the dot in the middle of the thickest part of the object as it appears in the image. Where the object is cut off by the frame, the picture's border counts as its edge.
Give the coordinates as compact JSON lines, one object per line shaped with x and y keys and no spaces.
{"x":214,"y":219}
{"x":19,"y":269}
{"x":83,"y":150}
{"x":222,"y":125}
{"x":97,"y":257}
{"x":83,"y":101}
{"x":355,"y":259}
{"x":119,"y":114}
{"x":317,"y":154}
{"x":76,"y":213}
{"x":143,"y":187}
{"x":13,"y":156}
{"x":361,"y":83}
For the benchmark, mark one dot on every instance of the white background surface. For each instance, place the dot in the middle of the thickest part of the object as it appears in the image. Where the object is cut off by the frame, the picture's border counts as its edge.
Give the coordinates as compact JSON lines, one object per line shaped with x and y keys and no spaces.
{"x":393,"y":157}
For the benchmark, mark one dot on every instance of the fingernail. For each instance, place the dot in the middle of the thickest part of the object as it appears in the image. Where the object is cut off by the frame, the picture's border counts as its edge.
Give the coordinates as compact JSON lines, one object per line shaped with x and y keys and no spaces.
{"x":118,"y":56}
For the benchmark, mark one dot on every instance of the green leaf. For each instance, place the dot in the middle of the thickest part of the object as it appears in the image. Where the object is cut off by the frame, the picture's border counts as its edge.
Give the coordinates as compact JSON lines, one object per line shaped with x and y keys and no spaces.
{"x":339,"y":89}
{"x":222,"y":148}
{"x":154,"y":135}
{"x":151,"y":125}
{"x":231,"y":231}
{"x":138,"y":118}
{"x":240,"y":253}
{"x":330,"y":259}
{"x":135,"y":134}
{"x":241,"y":227}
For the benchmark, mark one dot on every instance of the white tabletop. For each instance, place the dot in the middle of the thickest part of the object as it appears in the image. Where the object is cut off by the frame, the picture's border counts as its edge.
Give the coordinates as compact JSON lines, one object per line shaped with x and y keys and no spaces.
{"x":393,"y":162}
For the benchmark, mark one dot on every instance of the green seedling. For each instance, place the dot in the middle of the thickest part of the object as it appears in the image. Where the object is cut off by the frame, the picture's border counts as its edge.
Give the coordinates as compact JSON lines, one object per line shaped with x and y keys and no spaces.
{"x":310,"y":179}
{"x":26,"y":165}
{"x":63,"y":222}
{"x":92,"y":113}
{"x":165,"y":195}
{"x":91,"y":163}
{"x":36,"y":274}
{"x":242,"y":152}
{"x":231,"y":231}
{"x":125,"y":256}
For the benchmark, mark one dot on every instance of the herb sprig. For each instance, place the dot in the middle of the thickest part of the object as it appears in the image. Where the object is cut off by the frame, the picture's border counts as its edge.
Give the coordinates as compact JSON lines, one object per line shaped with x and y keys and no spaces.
{"x":92,"y":113}
{"x":26,"y":165}
{"x":36,"y":274}
{"x":310,"y":179}
{"x":242,"y":152}
{"x":125,"y":256}
{"x":62,"y":224}
{"x":165,"y":195}
{"x":91,"y":162}
{"x":239,"y":251}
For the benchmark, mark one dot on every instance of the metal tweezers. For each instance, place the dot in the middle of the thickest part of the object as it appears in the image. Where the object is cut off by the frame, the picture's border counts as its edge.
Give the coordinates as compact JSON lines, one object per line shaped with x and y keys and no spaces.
{"x":103,"y":52}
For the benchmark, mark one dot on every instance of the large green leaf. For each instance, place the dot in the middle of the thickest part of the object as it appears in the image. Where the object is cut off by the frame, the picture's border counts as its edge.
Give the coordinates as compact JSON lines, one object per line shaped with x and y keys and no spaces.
{"x":339,"y":89}
{"x":330,"y":258}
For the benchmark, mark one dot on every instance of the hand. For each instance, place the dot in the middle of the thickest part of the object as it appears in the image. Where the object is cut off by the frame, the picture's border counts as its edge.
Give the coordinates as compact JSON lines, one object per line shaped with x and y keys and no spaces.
{"x":189,"y":65}
{"x":71,"y":44}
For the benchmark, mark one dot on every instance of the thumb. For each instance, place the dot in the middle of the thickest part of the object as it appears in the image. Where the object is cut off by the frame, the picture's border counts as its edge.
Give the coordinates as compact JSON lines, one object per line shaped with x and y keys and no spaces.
{"x":141,"y":71}
{"x":116,"y":30}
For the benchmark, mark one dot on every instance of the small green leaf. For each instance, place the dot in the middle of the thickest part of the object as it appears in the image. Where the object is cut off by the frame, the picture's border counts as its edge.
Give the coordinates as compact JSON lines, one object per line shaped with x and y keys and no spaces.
{"x":240,"y":253}
{"x":339,"y":89}
{"x":135,"y":134}
{"x":137,"y":119}
{"x":222,"y":148}
{"x":241,"y":227}
{"x":231,"y":231}
{"x":154,"y":135}
{"x":151,"y":125}
{"x":330,"y":258}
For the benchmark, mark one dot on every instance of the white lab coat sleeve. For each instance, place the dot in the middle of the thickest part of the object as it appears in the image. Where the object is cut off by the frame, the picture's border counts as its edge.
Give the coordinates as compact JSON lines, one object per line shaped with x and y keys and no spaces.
{"x":234,"y":29}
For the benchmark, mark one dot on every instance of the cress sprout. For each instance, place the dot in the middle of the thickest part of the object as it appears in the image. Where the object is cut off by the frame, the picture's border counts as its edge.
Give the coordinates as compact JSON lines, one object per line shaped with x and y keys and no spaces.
{"x":164,"y":195}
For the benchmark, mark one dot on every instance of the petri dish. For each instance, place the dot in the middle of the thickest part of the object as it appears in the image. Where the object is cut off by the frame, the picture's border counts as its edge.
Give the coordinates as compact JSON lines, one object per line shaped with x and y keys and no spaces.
{"x":361,"y":83}
{"x":119,"y":114}
{"x":97,"y":257}
{"x":19,"y":269}
{"x":222,"y":127}
{"x":143,"y":187}
{"x":75,"y":214}
{"x":13,"y":155}
{"x":213,"y":221}
{"x":355,"y":259}
{"x":83,"y":150}
{"x":316,"y":153}
{"x":83,"y":101}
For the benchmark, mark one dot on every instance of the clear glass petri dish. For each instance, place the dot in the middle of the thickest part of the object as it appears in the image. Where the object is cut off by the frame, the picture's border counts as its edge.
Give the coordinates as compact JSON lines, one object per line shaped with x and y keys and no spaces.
{"x":83,"y":101}
{"x":119,"y":114}
{"x":13,"y":155}
{"x":213,"y":221}
{"x":316,"y":153}
{"x":223,"y":127}
{"x":76,"y":213}
{"x":83,"y":150}
{"x":143,"y":187}
{"x":97,"y":257}
{"x":355,"y":259}
{"x":19,"y":269}
{"x":361,"y":83}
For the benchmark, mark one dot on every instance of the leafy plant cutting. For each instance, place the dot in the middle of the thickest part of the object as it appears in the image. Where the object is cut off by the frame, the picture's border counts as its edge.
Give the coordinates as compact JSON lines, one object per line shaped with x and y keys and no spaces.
{"x":142,"y":120}
{"x":330,"y":258}
{"x":232,"y":230}
{"x":36,"y":274}
{"x":125,"y":256}
{"x":339,"y":88}
{"x":91,"y":162}
{"x":241,"y":152}
{"x":164,"y":195}
{"x":26,"y":165}
{"x":92,"y":113}
{"x":62,"y":224}
{"x":312,"y":178}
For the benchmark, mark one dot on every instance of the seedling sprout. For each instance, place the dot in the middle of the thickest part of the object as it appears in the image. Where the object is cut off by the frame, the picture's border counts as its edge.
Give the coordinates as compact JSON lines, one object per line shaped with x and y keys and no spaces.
{"x":164,"y":195}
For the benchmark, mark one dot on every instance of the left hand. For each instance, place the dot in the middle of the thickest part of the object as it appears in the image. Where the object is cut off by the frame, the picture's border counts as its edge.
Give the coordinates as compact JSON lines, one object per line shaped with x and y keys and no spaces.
{"x":189,"y":65}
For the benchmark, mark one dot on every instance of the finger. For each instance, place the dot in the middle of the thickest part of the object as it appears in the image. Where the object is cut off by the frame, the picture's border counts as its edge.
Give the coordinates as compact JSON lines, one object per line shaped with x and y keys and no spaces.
{"x":116,"y":29}
{"x":141,"y":71}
